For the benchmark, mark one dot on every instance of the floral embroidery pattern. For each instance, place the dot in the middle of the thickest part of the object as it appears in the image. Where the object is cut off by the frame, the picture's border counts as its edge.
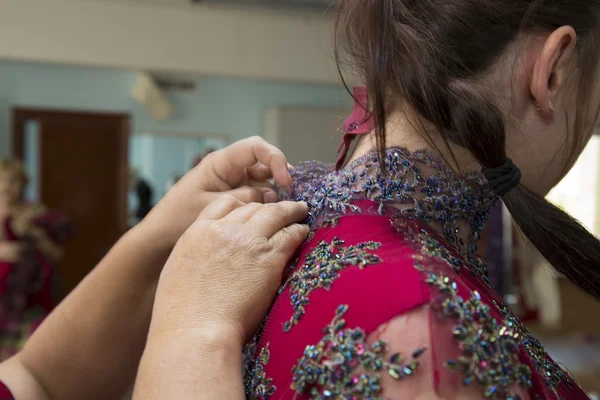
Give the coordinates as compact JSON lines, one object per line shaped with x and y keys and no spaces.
{"x":440,"y":196}
{"x":258,"y":385}
{"x":552,"y":374}
{"x":428,"y":246}
{"x":327,"y":368}
{"x":490,"y":348}
{"x":321,"y":268}
{"x":477,"y":331}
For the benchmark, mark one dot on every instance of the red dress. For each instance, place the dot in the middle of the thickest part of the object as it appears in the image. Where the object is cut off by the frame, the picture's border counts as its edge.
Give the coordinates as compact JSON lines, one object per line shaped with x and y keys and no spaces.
{"x":5,"y":393}
{"x":388,"y":299}
{"x":27,"y":286}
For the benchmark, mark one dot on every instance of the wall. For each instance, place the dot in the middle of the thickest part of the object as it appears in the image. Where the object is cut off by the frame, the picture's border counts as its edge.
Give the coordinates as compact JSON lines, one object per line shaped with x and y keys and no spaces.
{"x":210,"y":40}
{"x":220,"y":105}
{"x":296,"y":130}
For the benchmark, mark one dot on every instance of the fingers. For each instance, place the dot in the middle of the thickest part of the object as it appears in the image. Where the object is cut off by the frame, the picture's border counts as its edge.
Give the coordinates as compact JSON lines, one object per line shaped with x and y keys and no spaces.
{"x":245,"y":194}
{"x":230,"y":163}
{"x":259,"y":172}
{"x":249,"y":194}
{"x":287,"y":240}
{"x":243,"y":214}
{"x":271,"y":218}
{"x":220,"y":207}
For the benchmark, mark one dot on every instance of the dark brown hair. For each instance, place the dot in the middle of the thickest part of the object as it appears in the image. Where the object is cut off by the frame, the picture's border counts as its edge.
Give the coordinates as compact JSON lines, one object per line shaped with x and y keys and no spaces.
{"x":430,"y":54}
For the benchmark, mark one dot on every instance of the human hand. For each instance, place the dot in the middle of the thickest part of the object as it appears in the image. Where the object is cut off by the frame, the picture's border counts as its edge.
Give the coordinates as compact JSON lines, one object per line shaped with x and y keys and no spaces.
{"x":225,"y":270}
{"x":241,"y":170}
{"x":13,"y":252}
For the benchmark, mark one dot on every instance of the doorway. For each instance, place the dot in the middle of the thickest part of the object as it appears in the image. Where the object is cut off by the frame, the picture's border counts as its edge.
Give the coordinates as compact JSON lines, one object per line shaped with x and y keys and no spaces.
{"x":78,"y":162}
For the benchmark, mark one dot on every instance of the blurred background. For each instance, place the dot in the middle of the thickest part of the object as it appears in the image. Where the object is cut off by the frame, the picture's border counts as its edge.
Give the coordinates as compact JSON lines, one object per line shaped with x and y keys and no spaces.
{"x":107,"y":103}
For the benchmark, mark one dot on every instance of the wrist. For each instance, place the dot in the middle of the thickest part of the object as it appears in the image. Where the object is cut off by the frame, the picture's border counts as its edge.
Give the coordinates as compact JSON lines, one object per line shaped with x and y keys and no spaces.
{"x":150,"y":240}
{"x":184,"y":364}
{"x":157,"y":230}
{"x":215,"y":336}
{"x":146,"y":249}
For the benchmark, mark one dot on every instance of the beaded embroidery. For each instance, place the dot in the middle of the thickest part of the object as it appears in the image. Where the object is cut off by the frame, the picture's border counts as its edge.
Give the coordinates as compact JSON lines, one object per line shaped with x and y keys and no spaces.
{"x":258,"y":385}
{"x":552,"y":374}
{"x":322,"y":266}
{"x":490,"y":348}
{"x":442,"y":197}
{"x":428,"y":246}
{"x":477,"y":329}
{"x":327,"y":368}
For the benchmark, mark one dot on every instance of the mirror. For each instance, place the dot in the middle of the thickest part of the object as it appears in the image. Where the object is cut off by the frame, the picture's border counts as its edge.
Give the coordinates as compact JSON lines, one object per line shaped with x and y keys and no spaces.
{"x":157,"y":160}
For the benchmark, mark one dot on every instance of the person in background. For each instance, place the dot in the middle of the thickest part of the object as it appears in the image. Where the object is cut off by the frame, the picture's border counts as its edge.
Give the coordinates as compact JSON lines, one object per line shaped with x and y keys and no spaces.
{"x":30,"y":248}
{"x":172,"y":181}
{"x":144,"y":193}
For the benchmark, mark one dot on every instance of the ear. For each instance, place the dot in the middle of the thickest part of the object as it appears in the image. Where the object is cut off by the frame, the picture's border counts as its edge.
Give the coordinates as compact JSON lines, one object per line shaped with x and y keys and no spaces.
{"x":551,"y":67}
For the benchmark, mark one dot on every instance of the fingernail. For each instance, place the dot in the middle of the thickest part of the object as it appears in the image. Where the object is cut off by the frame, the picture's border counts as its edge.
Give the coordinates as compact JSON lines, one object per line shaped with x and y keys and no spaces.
{"x":307,"y":228}
{"x":270,"y":196}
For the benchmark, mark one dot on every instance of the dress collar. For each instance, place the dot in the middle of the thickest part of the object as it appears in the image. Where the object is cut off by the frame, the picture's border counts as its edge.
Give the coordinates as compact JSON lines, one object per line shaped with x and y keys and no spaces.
{"x":416,"y":184}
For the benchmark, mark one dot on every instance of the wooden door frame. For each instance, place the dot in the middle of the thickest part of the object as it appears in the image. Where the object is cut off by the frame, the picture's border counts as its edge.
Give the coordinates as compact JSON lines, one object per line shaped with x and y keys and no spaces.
{"x":20,"y":115}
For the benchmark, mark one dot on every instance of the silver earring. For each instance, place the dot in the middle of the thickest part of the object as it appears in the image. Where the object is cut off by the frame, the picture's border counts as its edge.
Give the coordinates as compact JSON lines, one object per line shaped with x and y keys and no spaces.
{"x":539,"y":108}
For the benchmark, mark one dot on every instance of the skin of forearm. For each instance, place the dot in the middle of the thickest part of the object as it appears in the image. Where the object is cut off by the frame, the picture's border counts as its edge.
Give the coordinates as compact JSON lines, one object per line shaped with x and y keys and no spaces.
{"x":191,"y":365}
{"x":91,"y":344}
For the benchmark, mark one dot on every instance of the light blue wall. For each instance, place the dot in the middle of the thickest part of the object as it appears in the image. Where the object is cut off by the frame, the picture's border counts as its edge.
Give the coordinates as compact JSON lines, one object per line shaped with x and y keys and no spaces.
{"x":220,"y":105}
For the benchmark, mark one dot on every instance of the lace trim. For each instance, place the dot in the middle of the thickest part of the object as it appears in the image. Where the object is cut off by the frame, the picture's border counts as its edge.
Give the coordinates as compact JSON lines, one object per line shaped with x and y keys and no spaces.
{"x":418,"y":184}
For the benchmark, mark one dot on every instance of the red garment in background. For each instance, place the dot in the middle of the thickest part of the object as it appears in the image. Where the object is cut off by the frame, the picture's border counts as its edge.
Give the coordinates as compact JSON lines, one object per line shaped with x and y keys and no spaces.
{"x":27,"y":287}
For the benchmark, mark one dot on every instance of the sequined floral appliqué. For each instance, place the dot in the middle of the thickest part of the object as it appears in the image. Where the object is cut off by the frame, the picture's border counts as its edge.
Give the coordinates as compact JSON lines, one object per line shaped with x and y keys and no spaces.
{"x":418,"y":183}
{"x":490,"y":348}
{"x":328,"y":370}
{"x":322,"y":266}
{"x":257,"y":384}
{"x":427,"y":245}
{"x":552,"y":374}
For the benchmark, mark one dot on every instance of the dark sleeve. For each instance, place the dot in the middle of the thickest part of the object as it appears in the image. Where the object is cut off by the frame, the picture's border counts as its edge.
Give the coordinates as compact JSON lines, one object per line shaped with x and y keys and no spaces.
{"x":57,"y":226}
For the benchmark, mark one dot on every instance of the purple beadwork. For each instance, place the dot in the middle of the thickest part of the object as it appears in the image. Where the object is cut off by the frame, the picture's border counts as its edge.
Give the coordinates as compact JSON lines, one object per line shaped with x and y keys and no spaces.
{"x":417,"y":184}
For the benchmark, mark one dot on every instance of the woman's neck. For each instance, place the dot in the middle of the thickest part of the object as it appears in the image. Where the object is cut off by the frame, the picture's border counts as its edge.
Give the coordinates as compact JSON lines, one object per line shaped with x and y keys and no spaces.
{"x":402,"y":132}
{"x":414,"y":134}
